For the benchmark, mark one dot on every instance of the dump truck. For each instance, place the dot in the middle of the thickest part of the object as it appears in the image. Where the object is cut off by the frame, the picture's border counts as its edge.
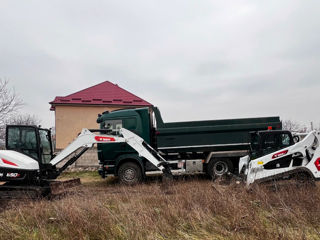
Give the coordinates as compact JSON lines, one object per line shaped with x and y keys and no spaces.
{"x":211,"y":147}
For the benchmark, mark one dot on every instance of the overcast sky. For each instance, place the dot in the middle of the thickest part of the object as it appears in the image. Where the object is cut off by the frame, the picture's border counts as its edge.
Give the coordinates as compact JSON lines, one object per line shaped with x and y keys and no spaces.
{"x":201,"y":59}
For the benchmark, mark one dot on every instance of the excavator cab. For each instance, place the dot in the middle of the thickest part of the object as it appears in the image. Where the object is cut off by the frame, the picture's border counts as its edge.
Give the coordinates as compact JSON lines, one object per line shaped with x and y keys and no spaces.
{"x":32,"y":141}
{"x":266,"y":142}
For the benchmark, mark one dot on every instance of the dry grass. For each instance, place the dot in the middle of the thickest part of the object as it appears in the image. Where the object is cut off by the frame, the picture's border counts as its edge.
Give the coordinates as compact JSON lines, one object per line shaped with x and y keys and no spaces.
{"x":194,"y":209}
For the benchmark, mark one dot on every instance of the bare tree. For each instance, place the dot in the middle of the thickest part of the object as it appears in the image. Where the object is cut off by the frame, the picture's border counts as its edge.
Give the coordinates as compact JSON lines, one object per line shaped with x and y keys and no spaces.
{"x":315,"y":126}
{"x":24,"y":119}
{"x":293,"y":126}
{"x":10,"y":103}
{"x":18,"y":119}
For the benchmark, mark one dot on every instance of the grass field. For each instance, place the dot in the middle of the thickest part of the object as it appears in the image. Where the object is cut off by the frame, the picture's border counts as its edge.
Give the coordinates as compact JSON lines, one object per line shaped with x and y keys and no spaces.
{"x":190,"y":209}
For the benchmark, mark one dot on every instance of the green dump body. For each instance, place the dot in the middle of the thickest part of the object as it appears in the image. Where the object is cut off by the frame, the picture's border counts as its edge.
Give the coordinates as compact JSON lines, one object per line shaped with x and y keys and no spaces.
{"x":212,"y":135}
{"x":176,"y":137}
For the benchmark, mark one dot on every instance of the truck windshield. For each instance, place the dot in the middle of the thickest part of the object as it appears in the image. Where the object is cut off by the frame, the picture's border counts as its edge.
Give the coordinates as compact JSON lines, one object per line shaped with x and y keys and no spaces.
{"x":113,"y":125}
{"x":45,"y":144}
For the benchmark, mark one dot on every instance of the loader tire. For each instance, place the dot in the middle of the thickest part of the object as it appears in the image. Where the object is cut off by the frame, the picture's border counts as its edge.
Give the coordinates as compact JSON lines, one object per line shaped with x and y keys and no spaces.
{"x":219,"y":167}
{"x":130,"y":173}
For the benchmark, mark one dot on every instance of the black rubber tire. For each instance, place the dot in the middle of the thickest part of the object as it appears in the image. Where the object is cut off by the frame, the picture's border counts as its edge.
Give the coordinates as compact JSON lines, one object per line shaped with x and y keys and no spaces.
{"x":218,"y":167}
{"x":130,"y":173}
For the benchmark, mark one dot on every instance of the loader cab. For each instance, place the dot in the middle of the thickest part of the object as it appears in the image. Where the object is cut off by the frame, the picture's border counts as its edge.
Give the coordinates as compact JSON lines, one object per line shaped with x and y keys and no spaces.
{"x":32,"y":141}
{"x":266,"y":142}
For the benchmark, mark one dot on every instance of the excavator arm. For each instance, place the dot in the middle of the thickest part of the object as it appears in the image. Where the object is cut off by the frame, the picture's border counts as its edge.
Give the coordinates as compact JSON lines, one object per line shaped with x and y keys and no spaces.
{"x":87,"y":139}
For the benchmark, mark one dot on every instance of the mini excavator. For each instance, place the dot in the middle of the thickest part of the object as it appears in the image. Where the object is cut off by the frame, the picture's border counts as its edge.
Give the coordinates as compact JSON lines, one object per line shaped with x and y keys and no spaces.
{"x":29,"y":165}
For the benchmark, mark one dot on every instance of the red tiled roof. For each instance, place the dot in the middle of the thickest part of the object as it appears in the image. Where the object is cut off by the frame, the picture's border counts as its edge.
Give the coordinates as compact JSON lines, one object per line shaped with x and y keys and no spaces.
{"x":105,"y":93}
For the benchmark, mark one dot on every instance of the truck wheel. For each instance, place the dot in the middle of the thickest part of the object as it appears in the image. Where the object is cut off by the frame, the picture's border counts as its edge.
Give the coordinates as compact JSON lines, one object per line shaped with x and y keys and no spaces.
{"x":219,"y":167}
{"x":130,"y":173}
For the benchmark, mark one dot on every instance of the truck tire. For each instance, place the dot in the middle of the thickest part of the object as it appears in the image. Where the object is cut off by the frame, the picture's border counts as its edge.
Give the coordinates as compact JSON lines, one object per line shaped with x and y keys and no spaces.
{"x":129,"y":173}
{"x":219,"y":166}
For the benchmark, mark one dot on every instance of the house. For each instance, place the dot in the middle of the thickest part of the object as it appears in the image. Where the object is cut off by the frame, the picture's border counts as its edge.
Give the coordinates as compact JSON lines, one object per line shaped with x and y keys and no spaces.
{"x":80,"y":110}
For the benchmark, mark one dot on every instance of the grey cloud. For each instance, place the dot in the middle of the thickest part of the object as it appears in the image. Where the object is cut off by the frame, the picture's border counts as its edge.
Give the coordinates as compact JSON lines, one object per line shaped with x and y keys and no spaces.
{"x":195,"y":60}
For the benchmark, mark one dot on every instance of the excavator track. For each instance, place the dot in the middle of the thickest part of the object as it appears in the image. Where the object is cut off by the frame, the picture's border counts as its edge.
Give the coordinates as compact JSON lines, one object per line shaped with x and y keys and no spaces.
{"x":23,"y":192}
{"x":51,"y":189}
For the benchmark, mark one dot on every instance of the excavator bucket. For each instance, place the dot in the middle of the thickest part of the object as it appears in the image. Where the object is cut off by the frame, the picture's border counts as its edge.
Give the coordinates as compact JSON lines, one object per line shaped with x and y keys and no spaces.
{"x":58,"y":187}
{"x":53,"y":188}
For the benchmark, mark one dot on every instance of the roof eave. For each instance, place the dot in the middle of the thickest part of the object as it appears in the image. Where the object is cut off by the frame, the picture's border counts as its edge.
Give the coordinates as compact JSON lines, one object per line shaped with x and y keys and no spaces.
{"x":53,"y":105}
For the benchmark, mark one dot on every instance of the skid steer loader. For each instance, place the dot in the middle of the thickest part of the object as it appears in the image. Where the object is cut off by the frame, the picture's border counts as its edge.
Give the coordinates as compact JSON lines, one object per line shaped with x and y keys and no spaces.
{"x":276,"y":155}
{"x":28,"y":163}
